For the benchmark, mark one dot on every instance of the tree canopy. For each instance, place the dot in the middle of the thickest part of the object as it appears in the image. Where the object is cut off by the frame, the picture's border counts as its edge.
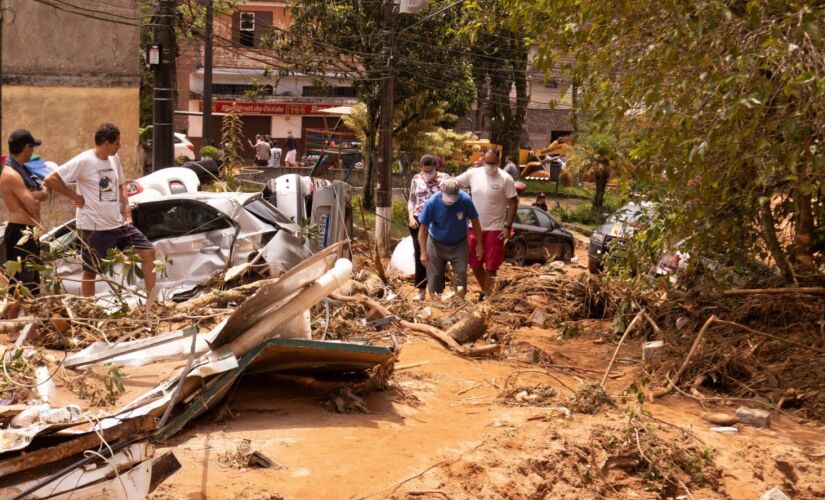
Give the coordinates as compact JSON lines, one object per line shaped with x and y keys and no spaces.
{"x":718,"y":104}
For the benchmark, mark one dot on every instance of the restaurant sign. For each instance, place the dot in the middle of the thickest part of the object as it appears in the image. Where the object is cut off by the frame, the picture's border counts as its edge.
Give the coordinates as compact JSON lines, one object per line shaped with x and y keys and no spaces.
{"x":267,"y":108}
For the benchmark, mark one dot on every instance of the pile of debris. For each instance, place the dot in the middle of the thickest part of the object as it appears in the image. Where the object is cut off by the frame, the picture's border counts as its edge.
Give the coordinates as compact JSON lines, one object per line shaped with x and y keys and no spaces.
{"x":762,"y":348}
{"x":50,"y":449}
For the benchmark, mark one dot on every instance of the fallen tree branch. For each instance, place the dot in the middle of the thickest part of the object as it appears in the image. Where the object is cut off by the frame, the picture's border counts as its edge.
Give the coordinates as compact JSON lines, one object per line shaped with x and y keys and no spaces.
{"x":223,"y":297}
{"x":672,"y":383}
{"x":627,"y":330}
{"x":382,"y":311}
{"x":811,"y":290}
{"x":770,"y":336}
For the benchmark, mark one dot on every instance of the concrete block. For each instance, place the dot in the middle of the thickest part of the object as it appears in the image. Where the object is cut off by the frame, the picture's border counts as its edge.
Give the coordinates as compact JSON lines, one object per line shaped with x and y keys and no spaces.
{"x":753,"y":416}
{"x":652,"y":352}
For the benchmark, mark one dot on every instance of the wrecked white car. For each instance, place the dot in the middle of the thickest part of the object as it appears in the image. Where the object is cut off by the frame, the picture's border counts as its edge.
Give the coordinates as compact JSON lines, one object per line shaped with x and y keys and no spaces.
{"x":200,"y":235}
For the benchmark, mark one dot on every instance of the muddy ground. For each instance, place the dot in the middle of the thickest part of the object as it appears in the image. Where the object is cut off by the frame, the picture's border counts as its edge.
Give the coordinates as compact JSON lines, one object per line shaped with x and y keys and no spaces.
{"x":451,"y":427}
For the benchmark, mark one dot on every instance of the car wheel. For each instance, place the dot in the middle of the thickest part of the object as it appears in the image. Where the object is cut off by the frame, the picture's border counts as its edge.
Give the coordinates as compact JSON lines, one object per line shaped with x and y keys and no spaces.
{"x":567,"y":253}
{"x":593,"y":266}
{"x":520,"y":253}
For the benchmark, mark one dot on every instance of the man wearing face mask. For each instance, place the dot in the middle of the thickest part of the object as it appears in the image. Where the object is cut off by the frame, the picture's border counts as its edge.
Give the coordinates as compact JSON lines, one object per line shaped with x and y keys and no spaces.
{"x":423,"y":186}
{"x":443,"y":236}
{"x":494,"y":195}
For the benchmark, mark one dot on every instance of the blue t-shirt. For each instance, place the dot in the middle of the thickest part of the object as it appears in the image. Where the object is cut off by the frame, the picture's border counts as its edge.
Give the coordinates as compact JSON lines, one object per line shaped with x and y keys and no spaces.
{"x":448,"y":224}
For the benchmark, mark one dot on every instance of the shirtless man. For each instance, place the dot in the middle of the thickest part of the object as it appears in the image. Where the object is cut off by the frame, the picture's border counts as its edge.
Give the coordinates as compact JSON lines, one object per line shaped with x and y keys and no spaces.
{"x":23,"y":193}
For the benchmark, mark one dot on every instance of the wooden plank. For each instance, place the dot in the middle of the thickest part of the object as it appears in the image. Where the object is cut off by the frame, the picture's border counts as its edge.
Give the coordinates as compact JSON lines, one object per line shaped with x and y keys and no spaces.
{"x":130,"y":428}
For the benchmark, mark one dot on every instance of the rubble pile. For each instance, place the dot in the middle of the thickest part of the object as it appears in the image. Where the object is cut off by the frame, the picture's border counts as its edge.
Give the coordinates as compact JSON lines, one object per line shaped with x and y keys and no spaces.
{"x":767,"y":349}
{"x":105,"y":451}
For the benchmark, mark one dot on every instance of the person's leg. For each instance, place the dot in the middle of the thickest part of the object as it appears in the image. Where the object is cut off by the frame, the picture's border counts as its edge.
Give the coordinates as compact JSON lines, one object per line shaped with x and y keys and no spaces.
{"x":144,"y":249}
{"x":90,"y":244}
{"x":476,"y":265}
{"x":420,"y":270}
{"x":460,"y":256}
{"x":435,"y":268}
{"x":493,"y":256}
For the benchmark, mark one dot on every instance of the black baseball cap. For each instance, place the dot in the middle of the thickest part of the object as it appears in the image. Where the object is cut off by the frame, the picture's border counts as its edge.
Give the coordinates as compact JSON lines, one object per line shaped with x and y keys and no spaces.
{"x":21,"y":138}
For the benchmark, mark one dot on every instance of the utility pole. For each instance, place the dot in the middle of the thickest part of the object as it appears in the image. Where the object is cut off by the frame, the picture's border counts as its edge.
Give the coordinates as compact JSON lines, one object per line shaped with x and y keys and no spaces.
{"x":4,"y":11}
{"x":164,"y":91}
{"x":206,"y":131}
{"x":383,"y":209}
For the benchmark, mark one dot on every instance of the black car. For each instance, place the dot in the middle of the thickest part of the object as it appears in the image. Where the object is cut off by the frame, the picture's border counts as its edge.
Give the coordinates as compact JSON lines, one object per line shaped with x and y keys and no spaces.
{"x":618,"y":227}
{"x":537,"y":236}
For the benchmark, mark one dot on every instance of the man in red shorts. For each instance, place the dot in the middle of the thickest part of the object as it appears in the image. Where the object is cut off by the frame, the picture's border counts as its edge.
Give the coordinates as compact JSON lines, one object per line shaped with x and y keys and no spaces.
{"x":493,"y":191}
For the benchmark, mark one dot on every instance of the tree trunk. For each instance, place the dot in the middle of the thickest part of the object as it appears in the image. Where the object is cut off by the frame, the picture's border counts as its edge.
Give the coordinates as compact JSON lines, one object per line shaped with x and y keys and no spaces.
{"x":771,"y":241}
{"x":602,"y":176}
{"x":804,"y":231}
{"x":370,"y":155}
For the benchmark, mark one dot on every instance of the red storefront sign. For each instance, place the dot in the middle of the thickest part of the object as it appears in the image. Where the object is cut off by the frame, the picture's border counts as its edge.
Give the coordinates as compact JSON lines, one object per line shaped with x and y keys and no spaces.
{"x":267,"y":108}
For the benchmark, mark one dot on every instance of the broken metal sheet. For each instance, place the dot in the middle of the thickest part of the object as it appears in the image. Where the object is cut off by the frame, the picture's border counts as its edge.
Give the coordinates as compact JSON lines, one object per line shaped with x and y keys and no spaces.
{"x":12,"y":439}
{"x":270,"y":297}
{"x":281,"y":355}
{"x":140,"y":352}
{"x":157,"y":398}
{"x":129,"y":485}
{"x":83,"y":476}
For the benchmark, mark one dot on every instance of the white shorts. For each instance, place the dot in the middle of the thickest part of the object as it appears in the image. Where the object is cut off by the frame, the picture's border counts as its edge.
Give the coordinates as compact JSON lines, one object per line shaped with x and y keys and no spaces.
{"x":290,"y":156}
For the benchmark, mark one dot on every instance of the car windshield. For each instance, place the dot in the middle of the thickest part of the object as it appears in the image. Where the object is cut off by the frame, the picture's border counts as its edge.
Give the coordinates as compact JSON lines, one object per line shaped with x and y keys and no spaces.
{"x":266,"y":212}
{"x":630,"y":213}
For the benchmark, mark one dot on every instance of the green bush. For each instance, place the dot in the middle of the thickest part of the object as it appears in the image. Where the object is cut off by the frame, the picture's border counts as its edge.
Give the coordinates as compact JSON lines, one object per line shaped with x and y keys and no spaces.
{"x":209,"y":151}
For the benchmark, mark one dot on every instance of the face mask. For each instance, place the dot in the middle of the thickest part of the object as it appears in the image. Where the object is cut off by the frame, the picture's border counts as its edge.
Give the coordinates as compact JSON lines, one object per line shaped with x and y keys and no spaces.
{"x":491,"y":169}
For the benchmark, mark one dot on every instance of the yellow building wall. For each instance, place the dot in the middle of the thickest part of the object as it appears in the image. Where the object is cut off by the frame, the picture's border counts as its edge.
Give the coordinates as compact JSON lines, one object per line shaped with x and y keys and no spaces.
{"x":65,"y":119}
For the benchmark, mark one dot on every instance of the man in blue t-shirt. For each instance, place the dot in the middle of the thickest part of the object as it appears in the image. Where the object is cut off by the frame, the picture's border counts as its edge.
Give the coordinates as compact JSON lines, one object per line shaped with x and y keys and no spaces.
{"x":443,"y":236}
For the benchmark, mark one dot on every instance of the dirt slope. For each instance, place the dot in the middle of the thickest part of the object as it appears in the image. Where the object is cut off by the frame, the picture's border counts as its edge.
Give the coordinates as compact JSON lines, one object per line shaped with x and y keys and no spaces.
{"x":447,"y":432}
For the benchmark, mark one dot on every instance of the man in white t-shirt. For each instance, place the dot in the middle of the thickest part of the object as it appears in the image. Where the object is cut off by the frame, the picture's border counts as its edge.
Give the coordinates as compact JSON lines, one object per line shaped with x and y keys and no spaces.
{"x":104,"y":219}
{"x":493,"y":191}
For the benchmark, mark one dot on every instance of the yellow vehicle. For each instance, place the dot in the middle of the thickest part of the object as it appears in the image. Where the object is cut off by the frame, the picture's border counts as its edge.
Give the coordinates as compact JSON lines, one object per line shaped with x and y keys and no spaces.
{"x":473,"y":150}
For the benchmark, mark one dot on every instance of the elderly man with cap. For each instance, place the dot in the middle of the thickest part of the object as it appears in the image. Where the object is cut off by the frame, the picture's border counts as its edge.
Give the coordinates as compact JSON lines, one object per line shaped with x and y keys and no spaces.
{"x":23,"y":193}
{"x":443,"y":236}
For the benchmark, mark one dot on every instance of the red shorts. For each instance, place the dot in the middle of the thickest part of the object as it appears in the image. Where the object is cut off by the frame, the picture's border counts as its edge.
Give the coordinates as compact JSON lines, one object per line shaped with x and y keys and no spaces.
{"x":493,"y":250}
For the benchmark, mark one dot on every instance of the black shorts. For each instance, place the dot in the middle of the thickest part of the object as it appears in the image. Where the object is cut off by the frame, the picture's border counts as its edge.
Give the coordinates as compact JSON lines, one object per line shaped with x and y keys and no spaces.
{"x":95,"y":244}
{"x":261,"y":163}
{"x":28,"y":252}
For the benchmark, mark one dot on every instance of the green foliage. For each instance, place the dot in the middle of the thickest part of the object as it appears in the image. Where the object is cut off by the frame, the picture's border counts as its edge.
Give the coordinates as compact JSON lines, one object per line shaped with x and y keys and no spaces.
{"x":209,"y":152}
{"x":363,"y":217}
{"x":347,"y":37}
{"x":232,"y":139}
{"x":586,"y":214}
{"x":720,"y":103}
{"x":448,"y":144}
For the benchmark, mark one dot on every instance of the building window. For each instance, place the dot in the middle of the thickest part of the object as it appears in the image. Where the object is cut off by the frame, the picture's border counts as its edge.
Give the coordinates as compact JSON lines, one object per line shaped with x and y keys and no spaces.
{"x":247,"y":29}
{"x":552,"y":83}
{"x":240,"y":89}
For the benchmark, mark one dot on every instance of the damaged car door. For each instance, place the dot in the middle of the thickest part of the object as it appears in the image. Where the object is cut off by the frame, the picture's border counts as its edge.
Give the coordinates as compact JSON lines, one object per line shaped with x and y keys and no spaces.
{"x":196,"y":238}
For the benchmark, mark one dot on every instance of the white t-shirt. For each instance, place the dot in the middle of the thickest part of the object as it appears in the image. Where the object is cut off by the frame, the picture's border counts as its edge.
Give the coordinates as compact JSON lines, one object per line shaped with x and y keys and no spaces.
{"x":490,"y":193}
{"x":98,"y":181}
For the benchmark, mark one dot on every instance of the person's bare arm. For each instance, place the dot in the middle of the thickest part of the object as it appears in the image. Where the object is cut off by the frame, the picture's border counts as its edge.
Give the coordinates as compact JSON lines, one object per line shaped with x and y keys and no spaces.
{"x":423,"y":233}
{"x":56,"y":184}
{"x":15,"y":192}
{"x":511,"y":216}
{"x":125,"y":209}
{"x":479,"y":249}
